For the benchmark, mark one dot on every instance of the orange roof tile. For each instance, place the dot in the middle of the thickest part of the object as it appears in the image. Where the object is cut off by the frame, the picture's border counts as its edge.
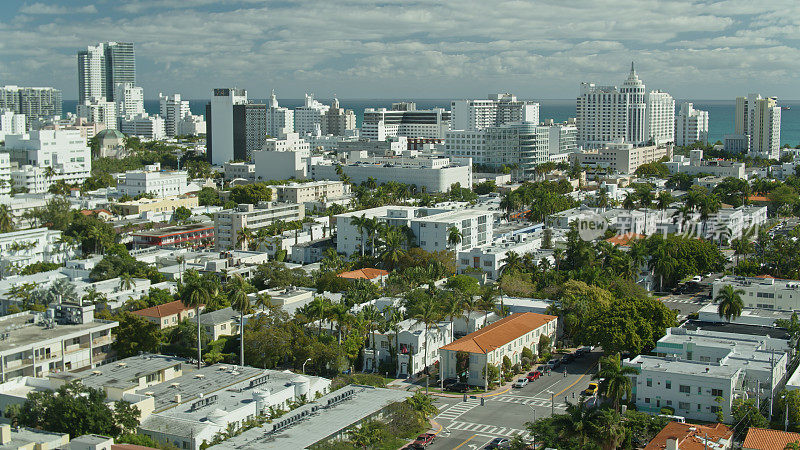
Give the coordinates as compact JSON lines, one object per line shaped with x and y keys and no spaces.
{"x":165,"y":310}
{"x":689,"y":436}
{"x":764,"y":439}
{"x":364,"y":274}
{"x":499,"y":333}
{"x":624,"y":239}
{"x":758,"y":198}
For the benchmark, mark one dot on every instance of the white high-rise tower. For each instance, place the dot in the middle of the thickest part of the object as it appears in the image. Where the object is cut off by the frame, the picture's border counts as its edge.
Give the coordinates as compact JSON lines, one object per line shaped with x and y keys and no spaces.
{"x":173,"y":110}
{"x":280,"y":121}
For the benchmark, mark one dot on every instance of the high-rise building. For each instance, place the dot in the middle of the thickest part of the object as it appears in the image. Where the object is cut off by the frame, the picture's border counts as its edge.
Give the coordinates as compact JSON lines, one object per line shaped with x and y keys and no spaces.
{"x":405,"y":120}
{"x":338,"y":121}
{"x":173,"y":110}
{"x":64,"y":151}
{"x":562,"y":139}
{"x":99,"y":111}
{"x":143,"y":125}
{"x":760,"y":120}
{"x":129,"y":100}
{"x":280,"y":120}
{"x":518,"y":145}
{"x":691,"y":125}
{"x":608,"y":113}
{"x":35,"y":102}
{"x":235,"y":128}
{"x":101,"y":67}
{"x":11,"y":123}
{"x":309,"y":116}
{"x":496,"y":110}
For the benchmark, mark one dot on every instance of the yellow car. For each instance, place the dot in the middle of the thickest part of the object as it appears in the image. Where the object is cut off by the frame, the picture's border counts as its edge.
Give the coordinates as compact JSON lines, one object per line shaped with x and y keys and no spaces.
{"x":591,"y":390}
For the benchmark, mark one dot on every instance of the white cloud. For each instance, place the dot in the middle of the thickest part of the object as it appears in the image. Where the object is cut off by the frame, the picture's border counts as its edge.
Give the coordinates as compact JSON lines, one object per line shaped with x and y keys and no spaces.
{"x":48,"y":9}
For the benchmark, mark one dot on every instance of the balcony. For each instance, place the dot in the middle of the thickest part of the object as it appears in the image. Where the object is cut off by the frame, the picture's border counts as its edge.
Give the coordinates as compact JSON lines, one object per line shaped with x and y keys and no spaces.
{"x":97,"y":342}
{"x":18,"y":363}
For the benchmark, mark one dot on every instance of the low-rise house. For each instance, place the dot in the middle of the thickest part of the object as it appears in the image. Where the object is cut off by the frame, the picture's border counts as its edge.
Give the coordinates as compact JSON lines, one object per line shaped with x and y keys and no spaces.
{"x":506,"y":337}
{"x":766,"y":439}
{"x":688,"y":436}
{"x":21,"y":438}
{"x":168,"y":314}
{"x":377,"y":276}
{"x":222,"y":322}
{"x":407,"y":344}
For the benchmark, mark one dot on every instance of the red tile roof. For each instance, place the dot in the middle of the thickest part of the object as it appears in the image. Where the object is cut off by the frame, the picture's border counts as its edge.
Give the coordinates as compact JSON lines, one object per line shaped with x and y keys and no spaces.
{"x":764,"y":439}
{"x":689,"y":436}
{"x":624,"y":239}
{"x":499,"y":333}
{"x":365,"y":274}
{"x":165,"y":310}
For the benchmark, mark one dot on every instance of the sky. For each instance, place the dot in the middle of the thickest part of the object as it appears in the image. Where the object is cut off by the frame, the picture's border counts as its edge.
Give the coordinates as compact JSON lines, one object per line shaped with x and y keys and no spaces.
{"x":413,"y":48}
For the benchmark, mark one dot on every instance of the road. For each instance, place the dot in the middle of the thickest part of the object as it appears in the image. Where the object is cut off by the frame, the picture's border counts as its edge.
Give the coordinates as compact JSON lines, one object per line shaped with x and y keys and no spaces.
{"x":468,"y":425}
{"x":685,"y":303}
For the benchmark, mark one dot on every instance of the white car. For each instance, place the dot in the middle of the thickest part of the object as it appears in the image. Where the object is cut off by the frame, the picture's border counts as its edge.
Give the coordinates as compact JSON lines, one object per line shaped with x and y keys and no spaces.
{"x":697,"y":279}
{"x":521,"y":383}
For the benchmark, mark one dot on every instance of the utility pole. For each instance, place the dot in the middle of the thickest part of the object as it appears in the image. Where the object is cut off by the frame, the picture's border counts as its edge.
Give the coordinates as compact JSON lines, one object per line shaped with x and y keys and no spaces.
{"x":771,"y":381}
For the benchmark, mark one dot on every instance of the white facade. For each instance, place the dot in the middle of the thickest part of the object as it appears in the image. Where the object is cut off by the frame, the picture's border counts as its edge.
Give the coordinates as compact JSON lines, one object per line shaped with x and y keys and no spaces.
{"x":691,"y":125}
{"x":25,"y":247}
{"x":630,"y":113}
{"x":409,"y":345}
{"x":405,"y":120}
{"x":143,"y":125}
{"x":490,"y":259}
{"x":280,"y":121}
{"x":5,"y":173}
{"x":308,"y":118}
{"x":523,"y":145}
{"x":621,"y":157}
{"x":282,"y":159}
{"x":11,"y":123}
{"x":496,"y":110}
{"x":99,"y":111}
{"x":34,"y":102}
{"x":129,"y":100}
{"x":221,"y":129}
{"x":695,"y":165}
{"x":759,"y":119}
{"x":766,"y":293}
{"x":173,"y":110}
{"x":229,"y":223}
{"x":65,"y":151}
{"x":191,"y":125}
{"x":154,"y":182}
{"x":430,"y":227}
{"x":563,"y":137}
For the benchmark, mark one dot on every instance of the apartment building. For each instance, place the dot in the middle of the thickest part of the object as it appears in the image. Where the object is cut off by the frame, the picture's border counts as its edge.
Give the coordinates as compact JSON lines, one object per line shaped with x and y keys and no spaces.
{"x":34,"y":102}
{"x":156,"y":205}
{"x":337,"y":121}
{"x":691,"y":125}
{"x":311,"y":192}
{"x":62,"y":338}
{"x":25,"y":247}
{"x":192,"y":234}
{"x":403,"y":119}
{"x":308,"y":118}
{"x":521,"y":144}
{"x":757,"y":123}
{"x":430,"y":227}
{"x":64,"y":151}
{"x":99,"y":110}
{"x":282,"y":159}
{"x":168,"y":314}
{"x":154,"y":182}
{"x":173,"y":109}
{"x":229,"y":223}
{"x":409,"y":345}
{"x":280,"y":121}
{"x":143,"y":125}
{"x":763,"y":292}
{"x":495,"y":110}
{"x":506,"y":337}
{"x":695,"y":165}
{"x":489,"y":259}
{"x":620,"y":157}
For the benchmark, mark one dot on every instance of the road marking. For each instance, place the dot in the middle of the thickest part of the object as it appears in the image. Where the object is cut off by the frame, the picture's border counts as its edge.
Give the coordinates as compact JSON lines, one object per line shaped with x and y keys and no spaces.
{"x":576,"y":381}
{"x":457,"y":410}
{"x":470,"y":438}
{"x":479,"y":429}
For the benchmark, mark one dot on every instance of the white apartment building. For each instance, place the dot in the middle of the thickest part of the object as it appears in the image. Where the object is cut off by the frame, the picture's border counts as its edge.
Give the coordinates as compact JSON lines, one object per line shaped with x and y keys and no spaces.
{"x":766,"y":293}
{"x":34,"y":102}
{"x":153,"y":181}
{"x":129,"y":100}
{"x":695,"y":165}
{"x":25,"y":247}
{"x":280,"y":121}
{"x":426,"y":172}
{"x":629,"y":113}
{"x":490,"y":259}
{"x":229,"y":223}
{"x":65,"y":337}
{"x":409,"y":345}
{"x":5,"y":173}
{"x":405,"y":120}
{"x":563,"y":137}
{"x":506,"y":337}
{"x":173,"y":110}
{"x":64,"y":151}
{"x":11,"y":123}
{"x":522,"y":144}
{"x":99,"y":110}
{"x":691,"y":125}
{"x":308,"y":118}
{"x":760,"y":120}
{"x":338,"y":121}
{"x":282,"y":159}
{"x":430,"y":227}
{"x":620,"y":157}
{"x":143,"y":125}
{"x":220,"y":124}
{"x":496,"y":110}
{"x":239,"y":170}
{"x":191,"y":125}
{"x":311,"y":192}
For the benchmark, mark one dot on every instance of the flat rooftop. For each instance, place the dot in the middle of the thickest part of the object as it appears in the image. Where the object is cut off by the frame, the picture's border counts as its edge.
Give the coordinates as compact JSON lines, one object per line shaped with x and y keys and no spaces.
{"x":20,"y":331}
{"x":722,"y":339}
{"x":124,"y":373}
{"x":218,"y":316}
{"x":667,"y":365}
{"x":26,"y":436}
{"x":735,"y":328}
{"x":321,"y":419}
{"x":178,"y":229}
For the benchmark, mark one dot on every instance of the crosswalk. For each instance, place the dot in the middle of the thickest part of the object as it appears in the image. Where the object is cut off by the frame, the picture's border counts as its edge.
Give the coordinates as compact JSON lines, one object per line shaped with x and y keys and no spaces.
{"x":457,"y":410}
{"x":528,"y":401}
{"x":492,"y":430}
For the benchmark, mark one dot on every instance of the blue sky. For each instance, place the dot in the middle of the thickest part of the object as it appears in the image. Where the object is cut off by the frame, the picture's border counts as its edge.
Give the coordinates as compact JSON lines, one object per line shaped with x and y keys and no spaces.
{"x":414,"y":48}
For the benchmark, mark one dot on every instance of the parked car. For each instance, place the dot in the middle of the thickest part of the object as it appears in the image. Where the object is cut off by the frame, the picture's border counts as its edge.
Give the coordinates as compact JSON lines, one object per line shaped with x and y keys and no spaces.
{"x":697,"y":279}
{"x":534,"y":375}
{"x":568,"y":358}
{"x":459,"y":387}
{"x":585,"y":350}
{"x":555,"y":363}
{"x":521,"y":383}
{"x":423,"y":440}
{"x":591,"y":390}
{"x":498,"y":443}
{"x":448,"y":382}
{"x":544,"y":368}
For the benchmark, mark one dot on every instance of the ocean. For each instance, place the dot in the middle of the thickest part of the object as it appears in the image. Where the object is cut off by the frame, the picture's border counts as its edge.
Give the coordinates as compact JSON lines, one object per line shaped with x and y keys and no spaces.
{"x":720,"y":112}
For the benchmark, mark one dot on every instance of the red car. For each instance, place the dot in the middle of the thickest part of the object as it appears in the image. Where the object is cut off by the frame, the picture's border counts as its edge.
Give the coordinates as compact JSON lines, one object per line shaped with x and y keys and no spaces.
{"x":533,"y":375}
{"x":423,"y":440}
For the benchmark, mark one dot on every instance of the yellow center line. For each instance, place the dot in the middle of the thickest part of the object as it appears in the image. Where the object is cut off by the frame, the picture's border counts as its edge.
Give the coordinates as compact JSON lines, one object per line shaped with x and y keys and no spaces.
{"x":470,"y":438}
{"x":576,"y":381}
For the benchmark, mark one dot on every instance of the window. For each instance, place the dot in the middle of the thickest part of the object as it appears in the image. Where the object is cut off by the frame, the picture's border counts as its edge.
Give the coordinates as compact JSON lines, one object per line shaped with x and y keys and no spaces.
{"x":683,"y":405}
{"x":714,"y":409}
{"x":699,"y":390}
{"x":716,"y":392}
{"x":668,"y":384}
{"x":685,"y":389}
{"x":647,"y":399}
{"x":649,"y":382}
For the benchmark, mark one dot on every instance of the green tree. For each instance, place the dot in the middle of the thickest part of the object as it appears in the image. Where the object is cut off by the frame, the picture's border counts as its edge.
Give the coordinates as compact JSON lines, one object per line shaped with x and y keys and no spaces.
{"x":6,"y":219}
{"x":730,"y":302}
{"x":196,"y":294}
{"x":135,"y":335}
{"x":615,"y":379}
{"x":181,"y":214}
{"x":238,"y":290}
{"x":426,"y":311}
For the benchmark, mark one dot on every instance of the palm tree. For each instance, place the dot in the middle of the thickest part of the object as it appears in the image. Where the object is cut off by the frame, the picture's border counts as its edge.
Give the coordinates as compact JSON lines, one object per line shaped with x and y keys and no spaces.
{"x":615,"y":379}
{"x":607,"y":430}
{"x":263,"y":301}
{"x":664,"y":200}
{"x":6,"y":219}
{"x":238,"y":289}
{"x":512,"y":262}
{"x":454,"y":238}
{"x":126,"y":281}
{"x":392,"y":324}
{"x":710,"y":204}
{"x":629,"y":202}
{"x":392,"y":248}
{"x":372,"y":317}
{"x":360,"y":223}
{"x":427,"y":312}
{"x":730,"y":302}
{"x":243,"y":238}
{"x":261,"y":238}
{"x":452,"y":309}
{"x":488,"y":301}
{"x":318,"y":308}
{"x":646,"y":199}
{"x":576,"y":422}
{"x":197,"y":295}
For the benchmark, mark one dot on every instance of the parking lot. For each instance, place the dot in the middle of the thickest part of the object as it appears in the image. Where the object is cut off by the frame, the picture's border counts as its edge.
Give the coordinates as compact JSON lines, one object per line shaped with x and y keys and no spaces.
{"x":470,"y":425}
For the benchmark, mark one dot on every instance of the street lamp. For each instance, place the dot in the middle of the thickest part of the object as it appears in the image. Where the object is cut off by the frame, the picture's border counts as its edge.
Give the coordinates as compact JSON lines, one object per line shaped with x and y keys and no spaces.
{"x":304,"y":365}
{"x":552,"y":402}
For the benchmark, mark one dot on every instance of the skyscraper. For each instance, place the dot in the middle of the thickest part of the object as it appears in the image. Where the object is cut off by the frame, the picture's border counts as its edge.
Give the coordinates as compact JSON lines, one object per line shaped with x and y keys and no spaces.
{"x":173,"y":110}
{"x":34,"y":102}
{"x":280,"y":120}
{"x":759,"y":119}
{"x":235,"y":128}
{"x":338,"y":121}
{"x":309,"y":116}
{"x":129,"y":100}
{"x":608,"y":113}
{"x":496,"y":110}
{"x":691,"y":125}
{"x":101,"y":67}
